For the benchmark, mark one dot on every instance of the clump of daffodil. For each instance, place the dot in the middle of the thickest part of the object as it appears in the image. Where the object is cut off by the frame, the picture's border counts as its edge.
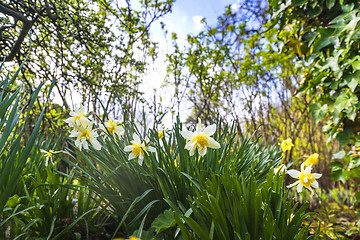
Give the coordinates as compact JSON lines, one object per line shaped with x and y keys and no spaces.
{"x":281,"y":169}
{"x":78,"y":118}
{"x":85,"y":134}
{"x":200,"y":139}
{"x":286,"y":145}
{"x":83,"y":129}
{"x":312,"y":159}
{"x":138,"y":149}
{"x":306,"y":178}
{"x":113,"y":127}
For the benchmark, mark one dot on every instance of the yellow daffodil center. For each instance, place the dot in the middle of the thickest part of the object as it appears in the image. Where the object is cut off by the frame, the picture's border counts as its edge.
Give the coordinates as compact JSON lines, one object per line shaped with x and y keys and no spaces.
{"x":112,"y":125}
{"x":313,"y":159}
{"x":137,"y":150}
{"x":85,"y":134}
{"x":161,"y":134}
{"x":201,"y":140}
{"x":307,"y":179}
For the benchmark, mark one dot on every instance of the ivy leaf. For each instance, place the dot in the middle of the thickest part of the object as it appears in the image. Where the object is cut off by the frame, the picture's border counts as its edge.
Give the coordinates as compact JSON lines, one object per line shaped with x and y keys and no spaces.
{"x":164,"y":221}
{"x":318,"y":112}
{"x":345,"y":100}
{"x":353,"y":84}
{"x":344,"y":137}
{"x":356,"y":65}
{"x":338,"y":173}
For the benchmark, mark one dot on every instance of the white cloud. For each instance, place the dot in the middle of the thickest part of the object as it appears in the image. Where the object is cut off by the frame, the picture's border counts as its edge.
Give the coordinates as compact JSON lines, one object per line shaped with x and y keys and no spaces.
{"x":198,"y":25}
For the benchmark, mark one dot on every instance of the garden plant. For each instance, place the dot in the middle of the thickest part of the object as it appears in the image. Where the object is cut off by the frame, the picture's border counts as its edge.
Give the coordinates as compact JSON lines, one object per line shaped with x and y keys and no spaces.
{"x":259,"y":138}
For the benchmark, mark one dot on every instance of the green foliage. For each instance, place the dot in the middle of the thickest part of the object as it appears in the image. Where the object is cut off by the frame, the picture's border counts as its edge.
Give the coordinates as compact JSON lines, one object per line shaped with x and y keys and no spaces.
{"x":230,"y":207}
{"x":335,"y":212}
{"x":92,"y":46}
{"x":13,"y":156}
{"x":241,"y":171}
{"x":330,"y":31}
{"x":51,"y":205}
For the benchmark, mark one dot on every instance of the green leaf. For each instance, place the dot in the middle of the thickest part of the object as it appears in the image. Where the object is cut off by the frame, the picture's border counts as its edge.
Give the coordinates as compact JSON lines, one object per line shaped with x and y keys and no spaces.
{"x":345,"y":100}
{"x":356,"y":65}
{"x":297,"y":3}
{"x":13,"y":201}
{"x":164,"y":221}
{"x":344,"y":137}
{"x":353,"y":84}
{"x":318,"y":112}
{"x":330,"y":3}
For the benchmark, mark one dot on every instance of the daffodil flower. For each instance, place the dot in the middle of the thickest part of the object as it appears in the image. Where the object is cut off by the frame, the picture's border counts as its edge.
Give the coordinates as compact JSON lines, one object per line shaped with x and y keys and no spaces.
{"x":78,"y":118}
{"x":286,"y":145}
{"x":84,"y":135}
{"x":48,"y":156}
{"x":138,"y":149}
{"x":200,"y":139}
{"x":312,"y":159}
{"x":113,"y":127}
{"x":161,"y":132}
{"x":280,"y":169}
{"x":306,"y":178}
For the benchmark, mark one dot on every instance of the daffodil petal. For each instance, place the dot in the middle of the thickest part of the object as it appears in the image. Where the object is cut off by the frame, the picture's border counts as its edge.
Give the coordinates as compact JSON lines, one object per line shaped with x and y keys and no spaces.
{"x":131,"y":156}
{"x":308,"y":169}
{"x":317,"y":175}
{"x":294,"y":173}
{"x":312,"y":192}
{"x":202,"y":151}
{"x":187,"y":134}
{"x":96,"y":144}
{"x":151,"y":149}
{"x":293,"y":184}
{"x":213,"y":144}
{"x":299,"y":187}
{"x":137,"y":139}
{"x":210,"y":130}
{"x":192,"y":150}
{"x":128,"y":148}
{"x":315,"y":184}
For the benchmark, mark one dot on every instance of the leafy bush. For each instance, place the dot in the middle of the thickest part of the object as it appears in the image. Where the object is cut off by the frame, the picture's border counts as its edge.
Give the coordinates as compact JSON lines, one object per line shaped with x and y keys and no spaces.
{"x":13,"y":157}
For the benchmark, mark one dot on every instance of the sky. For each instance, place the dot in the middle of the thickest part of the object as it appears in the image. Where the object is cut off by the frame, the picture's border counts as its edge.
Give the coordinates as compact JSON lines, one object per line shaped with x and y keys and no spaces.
{"x":184,"y":19}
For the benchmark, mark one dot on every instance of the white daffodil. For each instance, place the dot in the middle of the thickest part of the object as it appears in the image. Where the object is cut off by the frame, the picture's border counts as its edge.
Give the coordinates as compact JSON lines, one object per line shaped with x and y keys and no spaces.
{"x":82,"y":135}
{"x":281,"y":169}
{"x":48,"y":156}
{"x":113,"y":127}
{"x":78,"y":118}
{"x":161,"y":132}
{"x":200,"y":139}
{"x":306,"y":178}
{"x":138,"y":149}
